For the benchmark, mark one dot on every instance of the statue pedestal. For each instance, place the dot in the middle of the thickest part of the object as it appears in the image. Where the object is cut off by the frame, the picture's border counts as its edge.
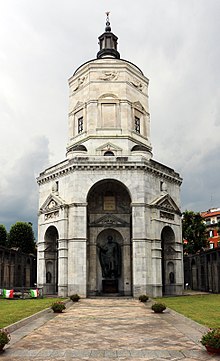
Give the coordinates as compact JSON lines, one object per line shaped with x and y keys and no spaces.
{"x":110,"y":286}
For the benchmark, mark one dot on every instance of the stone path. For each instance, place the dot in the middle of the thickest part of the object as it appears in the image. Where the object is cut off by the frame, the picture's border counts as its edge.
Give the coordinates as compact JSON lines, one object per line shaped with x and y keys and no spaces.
{"x":114,"y":329}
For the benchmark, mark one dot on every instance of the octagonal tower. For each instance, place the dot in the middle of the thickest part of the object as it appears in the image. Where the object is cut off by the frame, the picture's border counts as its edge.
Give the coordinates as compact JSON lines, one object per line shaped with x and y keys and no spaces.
{"x":109,"y":215}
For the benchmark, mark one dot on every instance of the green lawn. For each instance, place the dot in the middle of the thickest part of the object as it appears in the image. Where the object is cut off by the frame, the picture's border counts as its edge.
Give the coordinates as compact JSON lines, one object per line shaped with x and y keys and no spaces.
{"x":14,"y":310}
{"x":204,"y":309}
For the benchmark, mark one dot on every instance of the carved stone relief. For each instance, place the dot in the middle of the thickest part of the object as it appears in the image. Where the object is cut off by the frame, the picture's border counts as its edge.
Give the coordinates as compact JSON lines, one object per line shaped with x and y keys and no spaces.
{"x":50,"y":215}
{"x":167,"y":205}
{"x":167,"y":215}
{"x":52,"y":204}
{"x":109,"y":220}
{"x":109,"y":75}
{"x":79,"y":83}
{"x":137,"y":84}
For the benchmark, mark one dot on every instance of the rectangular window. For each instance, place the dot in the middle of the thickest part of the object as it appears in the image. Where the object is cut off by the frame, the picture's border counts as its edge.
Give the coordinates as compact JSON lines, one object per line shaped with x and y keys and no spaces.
{"x":137,"y":124}
{"x":211,"y":234}
{"x":80,"y":125}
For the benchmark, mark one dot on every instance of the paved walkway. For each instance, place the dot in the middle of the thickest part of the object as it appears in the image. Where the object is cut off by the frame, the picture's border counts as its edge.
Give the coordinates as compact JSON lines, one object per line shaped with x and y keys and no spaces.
{"x":114,"y":329}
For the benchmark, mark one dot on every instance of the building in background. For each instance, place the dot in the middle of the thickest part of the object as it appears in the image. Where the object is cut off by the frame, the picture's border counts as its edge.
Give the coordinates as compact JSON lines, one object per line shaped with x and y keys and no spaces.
{"x":109,"y":215}
{"x":212,"y":221}
{"x":17,"y":269}
{"x":201,"y":271}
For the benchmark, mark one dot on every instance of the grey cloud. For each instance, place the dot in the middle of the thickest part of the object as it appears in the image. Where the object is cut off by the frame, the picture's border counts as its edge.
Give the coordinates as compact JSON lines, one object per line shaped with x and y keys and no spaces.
{"x":175,"y":43}
{"x":200,"y":190}
{"x":19,"y":194}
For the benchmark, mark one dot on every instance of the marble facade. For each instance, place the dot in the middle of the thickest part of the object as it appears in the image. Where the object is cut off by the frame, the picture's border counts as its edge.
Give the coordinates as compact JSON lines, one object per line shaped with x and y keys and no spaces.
{"x":109,"y":185}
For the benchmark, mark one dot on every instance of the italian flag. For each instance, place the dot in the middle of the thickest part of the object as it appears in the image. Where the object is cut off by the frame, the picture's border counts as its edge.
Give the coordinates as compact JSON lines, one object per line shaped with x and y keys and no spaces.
{"x":8,"y":293}
{"x":34,"y":293}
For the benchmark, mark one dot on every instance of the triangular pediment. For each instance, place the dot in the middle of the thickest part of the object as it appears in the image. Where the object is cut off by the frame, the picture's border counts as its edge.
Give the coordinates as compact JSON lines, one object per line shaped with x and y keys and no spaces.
{"x":78,"y":105}
{"x":52,"y":203}
{"x":109,"y":220}
{"x":108,"y":146}
{"x":139,"y":106}
{"x":166,"y":203}
{"x":170,"y":250}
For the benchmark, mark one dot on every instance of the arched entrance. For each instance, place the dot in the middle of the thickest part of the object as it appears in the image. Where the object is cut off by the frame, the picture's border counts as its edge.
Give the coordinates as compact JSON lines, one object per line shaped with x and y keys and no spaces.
{"x":109,"y":239}
{"x":51,"y":260}
{"x":168,"y":261}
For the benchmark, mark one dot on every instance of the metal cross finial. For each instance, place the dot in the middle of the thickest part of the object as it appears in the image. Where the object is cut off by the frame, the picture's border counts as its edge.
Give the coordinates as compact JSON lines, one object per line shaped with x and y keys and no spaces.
{"x":108,"y":28}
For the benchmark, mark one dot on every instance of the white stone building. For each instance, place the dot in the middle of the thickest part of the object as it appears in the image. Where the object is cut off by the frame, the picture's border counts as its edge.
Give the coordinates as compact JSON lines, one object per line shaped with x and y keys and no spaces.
{"x":109,"y":215}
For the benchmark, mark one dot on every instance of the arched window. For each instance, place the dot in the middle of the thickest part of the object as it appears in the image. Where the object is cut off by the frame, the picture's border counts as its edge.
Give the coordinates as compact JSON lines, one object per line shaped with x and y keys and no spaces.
{"x":109,"y":153}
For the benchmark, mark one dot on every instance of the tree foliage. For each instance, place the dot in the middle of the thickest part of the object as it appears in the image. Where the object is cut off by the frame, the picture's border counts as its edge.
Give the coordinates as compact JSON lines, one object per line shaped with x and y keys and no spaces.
{"x":3,"y":235}
{"x":21,"y":235}
{"x":194,"y":232}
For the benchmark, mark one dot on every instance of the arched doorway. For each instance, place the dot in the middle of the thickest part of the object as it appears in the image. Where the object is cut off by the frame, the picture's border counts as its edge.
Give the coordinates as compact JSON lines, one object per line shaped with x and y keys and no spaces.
{"x":109,"y":239}
{"x":51,"y":260}
{"x":168,"y":261}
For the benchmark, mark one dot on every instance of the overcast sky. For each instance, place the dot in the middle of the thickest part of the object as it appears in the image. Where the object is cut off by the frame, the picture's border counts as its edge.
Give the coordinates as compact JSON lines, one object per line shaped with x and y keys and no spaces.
{"x":175,"y":43}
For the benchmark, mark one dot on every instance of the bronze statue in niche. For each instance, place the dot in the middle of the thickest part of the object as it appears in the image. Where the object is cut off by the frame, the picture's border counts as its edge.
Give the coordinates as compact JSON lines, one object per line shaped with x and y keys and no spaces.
{"x":110,"y":259}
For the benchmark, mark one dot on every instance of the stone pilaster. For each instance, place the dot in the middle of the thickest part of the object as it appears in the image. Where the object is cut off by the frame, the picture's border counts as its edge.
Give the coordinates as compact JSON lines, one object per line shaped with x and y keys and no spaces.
{"x":139,"y":249}
{"x":62,"y":268}
{"x":41,"y":267}
{"x":77,"y":249}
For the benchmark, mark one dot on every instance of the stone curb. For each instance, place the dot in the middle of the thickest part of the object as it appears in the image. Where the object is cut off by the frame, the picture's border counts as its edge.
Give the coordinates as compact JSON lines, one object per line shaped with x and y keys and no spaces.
{"x":14,"y":326}
{"x":188,"y":321}
{"x":184,"y":319}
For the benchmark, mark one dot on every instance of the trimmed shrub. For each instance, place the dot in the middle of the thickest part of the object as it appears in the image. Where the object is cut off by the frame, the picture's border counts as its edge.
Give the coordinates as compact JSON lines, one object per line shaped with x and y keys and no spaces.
{"x":75,"y":297}
{"x":158,"y":307}
{"x":58,"y":306}
{"x":143,"y":298}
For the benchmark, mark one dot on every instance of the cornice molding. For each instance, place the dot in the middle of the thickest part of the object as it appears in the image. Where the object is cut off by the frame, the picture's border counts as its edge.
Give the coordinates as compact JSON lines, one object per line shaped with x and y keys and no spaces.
{"x":84,"y":164}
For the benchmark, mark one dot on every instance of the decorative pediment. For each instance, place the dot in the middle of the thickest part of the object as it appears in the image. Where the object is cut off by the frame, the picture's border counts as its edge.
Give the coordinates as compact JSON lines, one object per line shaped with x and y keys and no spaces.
{"x":78,"y":105}
{"x":166,"y":203}
{"x":139,"y":106}
{"x":52,"y":203}
{"x":170,"y":250}
{"x":109,"y":220}
{"x":108,"y":146}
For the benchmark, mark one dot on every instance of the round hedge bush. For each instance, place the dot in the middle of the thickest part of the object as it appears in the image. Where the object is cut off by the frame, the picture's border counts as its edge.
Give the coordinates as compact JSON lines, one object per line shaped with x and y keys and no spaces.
{"x":158,"y":307}
{"x":75,"y":297}
{"x":58,"y":306}
{"x":143,"y":298}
